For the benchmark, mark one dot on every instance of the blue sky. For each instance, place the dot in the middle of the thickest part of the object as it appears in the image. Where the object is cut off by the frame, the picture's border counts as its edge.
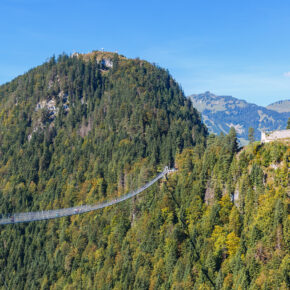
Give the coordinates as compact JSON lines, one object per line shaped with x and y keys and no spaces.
{"x":238,"y":48}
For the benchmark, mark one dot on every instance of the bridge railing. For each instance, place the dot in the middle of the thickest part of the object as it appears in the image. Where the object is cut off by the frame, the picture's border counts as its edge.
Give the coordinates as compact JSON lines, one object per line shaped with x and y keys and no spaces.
{"x":50,"y":214}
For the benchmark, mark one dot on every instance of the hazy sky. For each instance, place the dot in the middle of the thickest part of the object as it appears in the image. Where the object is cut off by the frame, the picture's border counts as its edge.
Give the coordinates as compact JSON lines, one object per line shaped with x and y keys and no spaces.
{"x":236,"y":47}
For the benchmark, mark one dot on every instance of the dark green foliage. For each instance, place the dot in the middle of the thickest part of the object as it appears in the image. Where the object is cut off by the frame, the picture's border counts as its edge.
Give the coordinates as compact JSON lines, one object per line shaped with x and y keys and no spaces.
{"x":113,"y":129}
{"x":251,"y":134}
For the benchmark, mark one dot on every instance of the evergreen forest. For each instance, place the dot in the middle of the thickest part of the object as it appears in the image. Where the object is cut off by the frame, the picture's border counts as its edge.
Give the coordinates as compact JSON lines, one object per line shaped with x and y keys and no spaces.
{"x":85,"y":128}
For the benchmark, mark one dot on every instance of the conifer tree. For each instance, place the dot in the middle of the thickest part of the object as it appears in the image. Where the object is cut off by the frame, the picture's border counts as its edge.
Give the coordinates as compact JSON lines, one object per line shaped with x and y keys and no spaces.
{"x":251,"y":136}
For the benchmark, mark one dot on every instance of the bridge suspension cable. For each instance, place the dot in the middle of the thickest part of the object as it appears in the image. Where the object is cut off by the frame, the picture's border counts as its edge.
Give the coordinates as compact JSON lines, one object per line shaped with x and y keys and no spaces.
{"x":52,"y":214}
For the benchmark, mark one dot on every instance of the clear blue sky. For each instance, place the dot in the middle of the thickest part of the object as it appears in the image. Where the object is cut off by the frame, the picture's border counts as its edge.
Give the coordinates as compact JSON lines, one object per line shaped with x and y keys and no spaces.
{"x":235,"y":47}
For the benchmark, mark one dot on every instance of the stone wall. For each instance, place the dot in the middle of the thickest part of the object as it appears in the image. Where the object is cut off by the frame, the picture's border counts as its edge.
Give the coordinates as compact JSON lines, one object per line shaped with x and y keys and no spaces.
{"x":275,"y":135}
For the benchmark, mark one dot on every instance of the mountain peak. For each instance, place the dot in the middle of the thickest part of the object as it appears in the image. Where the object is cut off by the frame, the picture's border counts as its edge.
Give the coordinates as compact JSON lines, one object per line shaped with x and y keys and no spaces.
{"x":98,"y":55}
{"x":282,"y":106}
{"x":222,"y":112}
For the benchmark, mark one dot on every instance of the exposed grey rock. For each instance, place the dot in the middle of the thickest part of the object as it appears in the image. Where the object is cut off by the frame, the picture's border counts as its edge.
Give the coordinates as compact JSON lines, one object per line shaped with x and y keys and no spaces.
{"x":220,"y":113}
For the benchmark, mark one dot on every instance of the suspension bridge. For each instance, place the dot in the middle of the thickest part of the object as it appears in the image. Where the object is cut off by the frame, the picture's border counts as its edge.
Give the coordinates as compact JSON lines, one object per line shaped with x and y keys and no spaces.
{"x":58,"y":213}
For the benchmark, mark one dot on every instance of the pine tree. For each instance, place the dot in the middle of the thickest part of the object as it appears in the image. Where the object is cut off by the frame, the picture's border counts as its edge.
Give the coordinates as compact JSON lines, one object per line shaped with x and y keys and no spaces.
{"x":251,"y":135}
{"x":233,"y":141}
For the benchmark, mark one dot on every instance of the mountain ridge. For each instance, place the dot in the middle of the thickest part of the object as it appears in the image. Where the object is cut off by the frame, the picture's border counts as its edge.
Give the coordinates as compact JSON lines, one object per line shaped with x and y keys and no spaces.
{"x":222,"y":112}
{"x":282,"y":106}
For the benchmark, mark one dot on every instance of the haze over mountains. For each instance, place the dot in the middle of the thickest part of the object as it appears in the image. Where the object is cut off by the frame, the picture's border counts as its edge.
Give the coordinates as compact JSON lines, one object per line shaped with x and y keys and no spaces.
{"x":219,"y":113}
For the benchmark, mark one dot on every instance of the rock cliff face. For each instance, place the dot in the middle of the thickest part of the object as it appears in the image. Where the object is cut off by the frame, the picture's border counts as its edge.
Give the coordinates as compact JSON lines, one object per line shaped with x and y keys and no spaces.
{"x":220,"y":113}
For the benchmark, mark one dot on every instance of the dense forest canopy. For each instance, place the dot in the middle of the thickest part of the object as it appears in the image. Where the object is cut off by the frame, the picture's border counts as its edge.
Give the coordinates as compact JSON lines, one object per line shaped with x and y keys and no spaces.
{"x":84,"y":128}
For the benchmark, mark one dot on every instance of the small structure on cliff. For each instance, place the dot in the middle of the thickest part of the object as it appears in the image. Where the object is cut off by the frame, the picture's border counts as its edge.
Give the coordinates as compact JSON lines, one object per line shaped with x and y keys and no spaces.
{"x":281,"y":135}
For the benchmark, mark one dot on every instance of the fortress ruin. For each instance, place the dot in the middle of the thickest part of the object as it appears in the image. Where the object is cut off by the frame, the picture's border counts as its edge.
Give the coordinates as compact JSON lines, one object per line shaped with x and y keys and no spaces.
{"x":281,"y":135}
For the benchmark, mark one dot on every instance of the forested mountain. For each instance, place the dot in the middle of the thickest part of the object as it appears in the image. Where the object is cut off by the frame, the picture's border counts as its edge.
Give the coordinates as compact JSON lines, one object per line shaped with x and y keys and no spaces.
{"x":85,"y":128}
{"x":220,"y":113}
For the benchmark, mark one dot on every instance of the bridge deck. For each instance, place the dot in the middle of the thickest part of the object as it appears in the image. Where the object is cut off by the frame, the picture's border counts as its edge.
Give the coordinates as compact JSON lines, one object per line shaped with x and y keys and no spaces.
{"x":51,"y":214}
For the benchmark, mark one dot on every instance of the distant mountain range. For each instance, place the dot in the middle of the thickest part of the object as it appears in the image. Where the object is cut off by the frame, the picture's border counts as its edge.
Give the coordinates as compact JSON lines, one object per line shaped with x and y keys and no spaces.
{"x":219,"y":113}
{"x":280,"y":106}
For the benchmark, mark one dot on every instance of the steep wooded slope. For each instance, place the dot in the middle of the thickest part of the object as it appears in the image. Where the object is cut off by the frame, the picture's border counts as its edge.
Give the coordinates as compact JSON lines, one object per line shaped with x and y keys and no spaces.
{"x":78,"y":130}
{"x":84,"y":128}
